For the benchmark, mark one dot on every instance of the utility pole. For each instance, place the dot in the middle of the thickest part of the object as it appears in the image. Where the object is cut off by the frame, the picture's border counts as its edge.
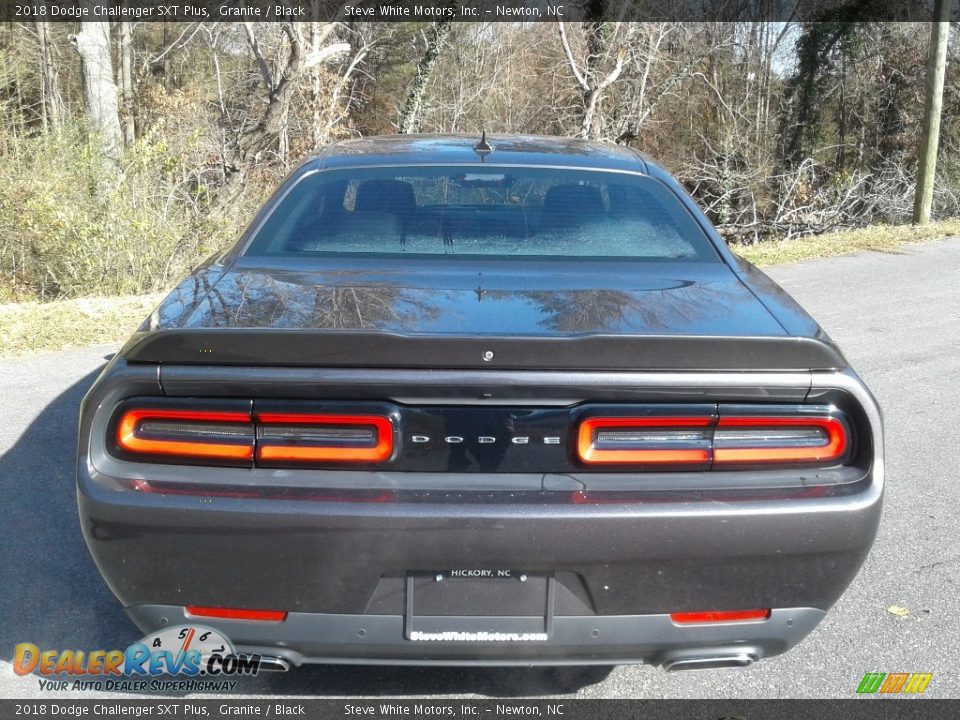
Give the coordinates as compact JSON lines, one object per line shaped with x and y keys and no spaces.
{"x":930,"y":138}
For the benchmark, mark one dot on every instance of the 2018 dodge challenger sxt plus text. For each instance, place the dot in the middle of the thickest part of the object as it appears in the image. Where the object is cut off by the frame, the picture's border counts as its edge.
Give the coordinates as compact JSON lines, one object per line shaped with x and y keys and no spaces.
{"x":462,"y":402}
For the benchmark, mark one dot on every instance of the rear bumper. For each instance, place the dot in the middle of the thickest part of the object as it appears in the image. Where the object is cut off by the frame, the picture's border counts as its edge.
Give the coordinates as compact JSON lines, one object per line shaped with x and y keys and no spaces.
{"x":340,"y":568}
{"x":380,"y":639}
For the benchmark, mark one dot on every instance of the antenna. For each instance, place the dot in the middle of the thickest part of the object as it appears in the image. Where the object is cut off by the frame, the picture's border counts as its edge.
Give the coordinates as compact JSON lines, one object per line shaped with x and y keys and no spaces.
{"x":483,"y":148}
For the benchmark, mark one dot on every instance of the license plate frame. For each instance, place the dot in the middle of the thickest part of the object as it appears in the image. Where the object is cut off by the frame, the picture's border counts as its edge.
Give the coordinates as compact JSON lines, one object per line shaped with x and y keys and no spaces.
{"x":441,"y":603}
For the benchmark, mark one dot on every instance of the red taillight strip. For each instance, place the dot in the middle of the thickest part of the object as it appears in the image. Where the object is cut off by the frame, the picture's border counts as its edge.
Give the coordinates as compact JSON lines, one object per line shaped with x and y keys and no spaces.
{"x":379,"y":452}
{"x":833,"y":449}
{"x":237,"y":613}
{"x":128,"y":439}
{"x":712,"y":616}
{"x":588,"y":453}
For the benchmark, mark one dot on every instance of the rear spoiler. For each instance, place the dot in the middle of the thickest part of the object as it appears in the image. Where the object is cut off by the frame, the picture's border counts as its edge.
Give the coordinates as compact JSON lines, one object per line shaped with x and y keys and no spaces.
{"x":352,"y":349}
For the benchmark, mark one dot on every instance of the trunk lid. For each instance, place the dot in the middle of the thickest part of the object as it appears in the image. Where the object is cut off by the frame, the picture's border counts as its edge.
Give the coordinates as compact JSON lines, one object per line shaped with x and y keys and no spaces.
{"x":548,"y":315}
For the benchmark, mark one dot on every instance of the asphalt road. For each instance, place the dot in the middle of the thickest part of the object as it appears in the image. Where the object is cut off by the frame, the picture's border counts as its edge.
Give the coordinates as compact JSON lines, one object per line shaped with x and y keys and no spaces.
{"x":897,"y":316}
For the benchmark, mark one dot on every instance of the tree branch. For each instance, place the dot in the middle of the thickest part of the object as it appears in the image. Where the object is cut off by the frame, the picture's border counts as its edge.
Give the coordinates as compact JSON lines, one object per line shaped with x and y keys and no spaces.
{"x":581,"y":79}
{"x":258,"y":54}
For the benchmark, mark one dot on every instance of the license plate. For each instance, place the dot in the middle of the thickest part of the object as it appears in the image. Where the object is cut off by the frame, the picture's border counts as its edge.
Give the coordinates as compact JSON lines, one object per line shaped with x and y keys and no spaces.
{"x":479,"y":606}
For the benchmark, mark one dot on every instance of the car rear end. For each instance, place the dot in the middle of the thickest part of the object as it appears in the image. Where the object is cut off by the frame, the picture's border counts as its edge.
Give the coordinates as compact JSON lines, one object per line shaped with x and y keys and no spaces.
{"x":694,"y":519}
{"x":449,"y":413}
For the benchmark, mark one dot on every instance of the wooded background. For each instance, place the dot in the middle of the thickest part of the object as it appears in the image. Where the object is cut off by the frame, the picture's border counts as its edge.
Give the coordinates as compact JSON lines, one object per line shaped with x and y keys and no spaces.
{"x":128,"y":151}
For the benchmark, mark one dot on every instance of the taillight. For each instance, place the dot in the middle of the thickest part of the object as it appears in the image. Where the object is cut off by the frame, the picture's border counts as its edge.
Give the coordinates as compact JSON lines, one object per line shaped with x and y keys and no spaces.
{"x":228,"y":432}
{"x":737,"y":436}
{"x":704,"y":436}
{"x":760,"y":439}
{"x":308,"y":438}
{"x":645,"y":440}
{"x":209,"y":435}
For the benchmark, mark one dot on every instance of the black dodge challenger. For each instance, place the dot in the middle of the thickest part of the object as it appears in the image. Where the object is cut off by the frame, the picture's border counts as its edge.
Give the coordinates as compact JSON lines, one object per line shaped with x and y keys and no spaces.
{"x":450,"y":401}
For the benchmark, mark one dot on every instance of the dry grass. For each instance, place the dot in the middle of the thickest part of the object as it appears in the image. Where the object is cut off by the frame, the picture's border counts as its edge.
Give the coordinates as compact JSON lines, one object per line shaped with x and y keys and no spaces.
{"x":35,"y":327}
{"x":29,"y":327}
{"x":876,"y":237}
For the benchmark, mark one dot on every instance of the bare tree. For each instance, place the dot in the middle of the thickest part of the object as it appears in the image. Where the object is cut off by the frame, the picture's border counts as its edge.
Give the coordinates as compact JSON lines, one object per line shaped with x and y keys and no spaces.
{"x":661,"y":58}
{"x":280,"y":85}
{"x":329,"y":117}
{"x":53,"y":109}
{"x":99,"y":89}
{"x":252,"y":137}
{"x":126,"y":81}
{"x":411,"y":114}
{"x":601,"y":67}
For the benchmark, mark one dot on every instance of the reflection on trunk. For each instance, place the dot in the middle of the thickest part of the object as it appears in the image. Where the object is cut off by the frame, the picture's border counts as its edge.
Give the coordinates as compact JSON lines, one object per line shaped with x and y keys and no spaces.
{"x":617,"y":311}
{"x":710,"y":302}
{"x":276,"y":303}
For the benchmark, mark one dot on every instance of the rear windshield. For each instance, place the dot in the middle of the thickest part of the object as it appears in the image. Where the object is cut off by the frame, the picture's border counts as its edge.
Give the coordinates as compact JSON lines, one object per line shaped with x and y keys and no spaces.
{"x":482,"y":211}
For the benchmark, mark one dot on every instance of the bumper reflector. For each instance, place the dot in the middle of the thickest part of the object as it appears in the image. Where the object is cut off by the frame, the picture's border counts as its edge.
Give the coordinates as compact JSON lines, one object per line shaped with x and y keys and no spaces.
{"x":237,"y":613}
{"x":713,"y":616}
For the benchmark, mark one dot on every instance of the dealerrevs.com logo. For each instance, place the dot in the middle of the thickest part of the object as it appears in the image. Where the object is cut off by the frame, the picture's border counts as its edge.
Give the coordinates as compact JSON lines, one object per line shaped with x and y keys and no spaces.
{"x":201,"y":658}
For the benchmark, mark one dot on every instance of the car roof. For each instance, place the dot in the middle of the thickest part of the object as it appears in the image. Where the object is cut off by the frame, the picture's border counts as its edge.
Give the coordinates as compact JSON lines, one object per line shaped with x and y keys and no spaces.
{"x":456,"y":149}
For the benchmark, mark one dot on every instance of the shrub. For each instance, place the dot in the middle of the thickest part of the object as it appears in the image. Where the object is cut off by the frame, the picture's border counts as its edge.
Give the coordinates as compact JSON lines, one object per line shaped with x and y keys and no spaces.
{"x":72,"y":225}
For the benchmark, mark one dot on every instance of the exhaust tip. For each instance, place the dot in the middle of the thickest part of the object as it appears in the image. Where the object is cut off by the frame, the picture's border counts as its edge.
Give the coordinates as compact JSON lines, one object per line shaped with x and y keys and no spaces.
{"x":711,"y":661}
{"x":274,"y":664}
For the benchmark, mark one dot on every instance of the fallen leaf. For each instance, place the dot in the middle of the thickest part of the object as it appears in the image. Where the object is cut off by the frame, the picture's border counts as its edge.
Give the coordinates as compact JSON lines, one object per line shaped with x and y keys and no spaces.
{"x":898,"y":611}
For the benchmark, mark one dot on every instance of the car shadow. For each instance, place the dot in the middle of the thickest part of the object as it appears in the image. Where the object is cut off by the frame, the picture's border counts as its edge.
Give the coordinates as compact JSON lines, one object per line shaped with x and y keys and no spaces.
{"x":395,"y":681}
{"x":53,"y":596}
